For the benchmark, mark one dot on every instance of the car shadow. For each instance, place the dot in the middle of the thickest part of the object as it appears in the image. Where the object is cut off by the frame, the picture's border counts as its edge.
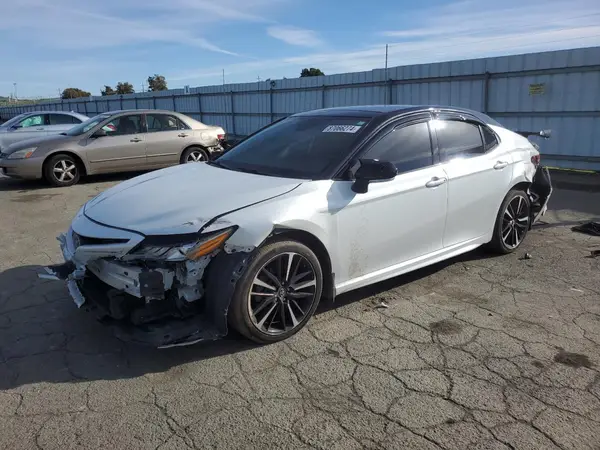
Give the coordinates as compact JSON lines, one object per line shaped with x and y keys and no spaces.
{"x":45,"y":338}
{"x":23,"y":186}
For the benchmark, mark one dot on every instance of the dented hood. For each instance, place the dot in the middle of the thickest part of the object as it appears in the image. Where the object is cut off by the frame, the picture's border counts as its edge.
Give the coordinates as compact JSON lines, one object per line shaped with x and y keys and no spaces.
{"x":181,"y":199}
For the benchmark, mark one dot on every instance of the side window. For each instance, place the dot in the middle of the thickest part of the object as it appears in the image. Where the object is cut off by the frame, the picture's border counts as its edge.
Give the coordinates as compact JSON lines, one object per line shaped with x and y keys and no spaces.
{"x":62,"y":119}
{"x":124,"y":125}
{"x":163,"y":122}
{"x":457,"y":139}
{"x":489,"y":138}
{"x":408,"y":147}
{"x":33,"y":121}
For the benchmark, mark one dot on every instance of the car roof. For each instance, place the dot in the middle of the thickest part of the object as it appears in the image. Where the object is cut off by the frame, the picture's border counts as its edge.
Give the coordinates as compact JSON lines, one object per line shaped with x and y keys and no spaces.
{"x":372,"y":111}
{"x":71,"y":113}
{"x":139,"y":111}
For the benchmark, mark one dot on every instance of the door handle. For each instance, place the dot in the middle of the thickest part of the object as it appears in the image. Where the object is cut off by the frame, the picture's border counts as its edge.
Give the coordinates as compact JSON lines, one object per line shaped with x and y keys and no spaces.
{"x":39,"y":129}
{"x":435,"y":182}
{"x":135,"y":140}
{"x":182,"y":135}
{"x":500,"y":165}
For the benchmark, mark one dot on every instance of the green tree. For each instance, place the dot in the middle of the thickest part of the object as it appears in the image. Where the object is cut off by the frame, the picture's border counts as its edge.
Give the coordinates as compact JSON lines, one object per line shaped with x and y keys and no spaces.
{"x":107,"y":90}
{"x":157,"y":83}
{"x":74,"y":93}
{"x":123,"y":87}
{"x":312,"y":72}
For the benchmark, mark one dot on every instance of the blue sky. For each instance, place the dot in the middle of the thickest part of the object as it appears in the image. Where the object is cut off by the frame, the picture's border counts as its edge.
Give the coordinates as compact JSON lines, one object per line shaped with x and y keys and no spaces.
{"x":47,"y":46}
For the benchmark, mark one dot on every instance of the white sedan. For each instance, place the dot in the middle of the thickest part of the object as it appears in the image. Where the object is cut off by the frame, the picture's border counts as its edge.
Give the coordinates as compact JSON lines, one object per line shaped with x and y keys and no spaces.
{"x":312,"y":206}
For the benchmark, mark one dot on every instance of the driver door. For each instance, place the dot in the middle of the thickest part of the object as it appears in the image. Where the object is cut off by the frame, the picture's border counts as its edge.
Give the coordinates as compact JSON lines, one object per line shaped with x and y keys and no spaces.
{"x":122,"y":149}
{"x":396,"y":222}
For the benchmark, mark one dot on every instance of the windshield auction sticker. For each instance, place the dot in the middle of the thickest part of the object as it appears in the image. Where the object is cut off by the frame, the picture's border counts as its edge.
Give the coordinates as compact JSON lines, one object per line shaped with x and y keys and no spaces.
{"x":341,"y":129}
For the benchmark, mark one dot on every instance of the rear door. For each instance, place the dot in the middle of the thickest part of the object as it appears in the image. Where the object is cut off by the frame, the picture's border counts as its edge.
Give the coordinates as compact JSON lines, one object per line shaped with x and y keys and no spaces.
{"x":395,"y":221}
{"x":33,"y":126}
{"x":122,"y":149}
{"x":479,"y":174}
{"x":166,"y":138}
{"x":60,"y":122}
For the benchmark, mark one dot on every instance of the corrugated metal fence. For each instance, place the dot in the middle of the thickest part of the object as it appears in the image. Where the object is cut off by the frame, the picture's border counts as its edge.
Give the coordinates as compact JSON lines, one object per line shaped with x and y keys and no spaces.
{"x":558,"y":90}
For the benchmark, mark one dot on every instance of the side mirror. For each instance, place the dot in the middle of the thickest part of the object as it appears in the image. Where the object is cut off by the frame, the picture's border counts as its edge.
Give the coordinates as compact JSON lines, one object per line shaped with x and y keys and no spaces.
{"x":546,"y":133}
{"x":372,"y":170}
{"x":16,"y":127}
{"x":99,"y":133}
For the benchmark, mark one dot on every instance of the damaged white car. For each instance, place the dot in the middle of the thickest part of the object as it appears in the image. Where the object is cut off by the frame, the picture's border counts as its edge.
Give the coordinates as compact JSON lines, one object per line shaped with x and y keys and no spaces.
{"x":314,"y":205}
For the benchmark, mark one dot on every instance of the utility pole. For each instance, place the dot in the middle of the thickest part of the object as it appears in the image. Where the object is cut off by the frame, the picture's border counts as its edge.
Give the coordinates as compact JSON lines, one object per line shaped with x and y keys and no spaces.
{"x":386,"y":59}
{"x":16,"y":96}
{"x":142,"y":87}
{"x":223,"y":77}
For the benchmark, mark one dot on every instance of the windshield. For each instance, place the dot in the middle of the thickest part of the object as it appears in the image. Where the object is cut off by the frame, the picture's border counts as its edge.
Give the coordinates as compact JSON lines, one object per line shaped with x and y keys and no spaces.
{"x":11,"y":122}
{"x":296,"y":147}
{"x":86,"y":126}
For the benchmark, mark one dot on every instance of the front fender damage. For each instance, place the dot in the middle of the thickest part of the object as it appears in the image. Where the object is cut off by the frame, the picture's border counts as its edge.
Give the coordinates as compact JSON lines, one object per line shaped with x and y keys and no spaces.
{"x":158,"y":304}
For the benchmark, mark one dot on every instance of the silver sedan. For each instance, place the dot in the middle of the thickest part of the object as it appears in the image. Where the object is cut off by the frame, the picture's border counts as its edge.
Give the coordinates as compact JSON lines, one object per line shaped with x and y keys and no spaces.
{"x":115,"y":141}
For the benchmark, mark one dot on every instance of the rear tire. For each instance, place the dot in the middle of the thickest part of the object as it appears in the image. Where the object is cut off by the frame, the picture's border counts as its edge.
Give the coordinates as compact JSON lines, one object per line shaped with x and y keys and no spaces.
{"x":62,"y":170}
{"x":512,"y":222}
{"x":194,"y":154}
{"x":276,"y":296}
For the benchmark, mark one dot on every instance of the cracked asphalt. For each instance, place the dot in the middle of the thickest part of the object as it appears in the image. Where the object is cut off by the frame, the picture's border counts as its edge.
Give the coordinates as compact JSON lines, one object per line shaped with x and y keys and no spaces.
{"x":479,"y":352}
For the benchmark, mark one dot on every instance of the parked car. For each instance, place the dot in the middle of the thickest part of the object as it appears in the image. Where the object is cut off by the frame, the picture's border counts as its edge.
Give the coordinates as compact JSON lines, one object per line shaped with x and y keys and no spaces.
{"x":312,"y":206}
{"x":115,"y":141}
{"x":37,"y":124}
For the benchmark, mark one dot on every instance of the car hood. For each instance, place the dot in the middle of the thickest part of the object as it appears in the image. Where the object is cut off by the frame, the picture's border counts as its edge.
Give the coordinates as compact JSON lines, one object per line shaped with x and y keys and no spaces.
{"x":181,"y":199}
{"x":35,"y":142}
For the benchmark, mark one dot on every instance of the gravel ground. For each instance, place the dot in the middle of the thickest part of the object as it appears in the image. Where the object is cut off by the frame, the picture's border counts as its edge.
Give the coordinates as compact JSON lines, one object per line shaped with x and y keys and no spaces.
{"x":479,"y":352}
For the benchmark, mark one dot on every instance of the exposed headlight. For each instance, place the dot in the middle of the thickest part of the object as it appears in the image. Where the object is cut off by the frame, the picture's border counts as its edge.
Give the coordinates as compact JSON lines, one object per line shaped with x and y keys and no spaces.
{"x":181,"y":252}
{"x":22,"y":154}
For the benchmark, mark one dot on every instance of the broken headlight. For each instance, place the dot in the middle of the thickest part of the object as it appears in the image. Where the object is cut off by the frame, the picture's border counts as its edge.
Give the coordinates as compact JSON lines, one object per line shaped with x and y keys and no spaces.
{"x":182,"y":252}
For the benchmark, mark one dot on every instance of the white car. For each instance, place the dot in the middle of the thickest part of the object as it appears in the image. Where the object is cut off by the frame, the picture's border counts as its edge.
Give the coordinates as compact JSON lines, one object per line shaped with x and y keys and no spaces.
{"x":310,"y":207}
{"x":37,"y":124}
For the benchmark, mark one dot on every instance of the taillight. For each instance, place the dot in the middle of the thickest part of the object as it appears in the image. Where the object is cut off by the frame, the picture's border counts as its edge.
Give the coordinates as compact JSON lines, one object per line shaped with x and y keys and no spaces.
{"x":535,"y":159}
{"x":220,"y":137}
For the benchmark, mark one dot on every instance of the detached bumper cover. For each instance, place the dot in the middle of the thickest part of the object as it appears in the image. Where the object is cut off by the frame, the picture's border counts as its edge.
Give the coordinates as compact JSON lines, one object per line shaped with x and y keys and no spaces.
{"x":540,"y":191}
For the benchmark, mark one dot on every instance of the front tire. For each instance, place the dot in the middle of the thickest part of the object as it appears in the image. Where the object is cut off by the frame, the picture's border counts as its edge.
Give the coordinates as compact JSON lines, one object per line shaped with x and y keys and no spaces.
{"x":278,"y":293}
{"x":62,"y":171}
{"x":512,"y":222}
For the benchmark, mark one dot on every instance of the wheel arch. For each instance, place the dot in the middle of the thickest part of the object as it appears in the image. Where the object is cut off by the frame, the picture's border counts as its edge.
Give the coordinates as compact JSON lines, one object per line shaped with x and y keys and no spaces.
{"x":78,"y":159}
{"x":521,"y":185}
{"x":317,"y":246}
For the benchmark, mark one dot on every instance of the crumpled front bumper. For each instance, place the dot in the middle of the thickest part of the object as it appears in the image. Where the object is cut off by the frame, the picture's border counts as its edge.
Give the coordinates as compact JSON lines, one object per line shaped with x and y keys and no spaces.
{"x":141,"y":305}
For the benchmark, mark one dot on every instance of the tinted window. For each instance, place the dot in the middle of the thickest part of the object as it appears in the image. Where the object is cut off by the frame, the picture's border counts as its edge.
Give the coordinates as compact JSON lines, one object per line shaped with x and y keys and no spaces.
{"x":33,"y":121}
{"x":163,"y":122}
{"x":297,"y":147}
{"x":457,"y":139}
{"x":409,"y":147}
{"x":489,"y":138}
{"x":124,"y":125}
{"x":63,"y":119}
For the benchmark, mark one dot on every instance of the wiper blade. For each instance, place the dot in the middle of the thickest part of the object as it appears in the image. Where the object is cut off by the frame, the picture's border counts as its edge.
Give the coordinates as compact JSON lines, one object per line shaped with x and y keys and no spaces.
{"x":218,"y":164}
